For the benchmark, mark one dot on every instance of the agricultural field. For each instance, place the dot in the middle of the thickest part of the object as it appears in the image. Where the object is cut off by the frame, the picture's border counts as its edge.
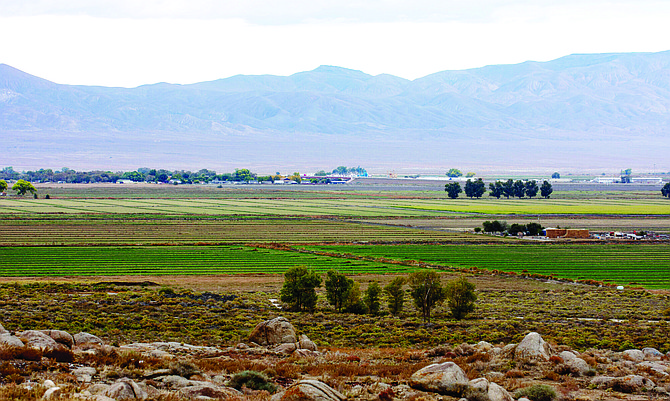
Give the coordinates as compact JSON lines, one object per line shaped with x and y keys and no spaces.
{"x":621,"y":264}
{"x":184,"y":231}
{"x":171,"y":260}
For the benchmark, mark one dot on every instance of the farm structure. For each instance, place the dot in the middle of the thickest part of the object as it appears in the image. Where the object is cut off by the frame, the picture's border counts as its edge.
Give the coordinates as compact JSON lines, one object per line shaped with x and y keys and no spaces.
{"x":567,"y":233}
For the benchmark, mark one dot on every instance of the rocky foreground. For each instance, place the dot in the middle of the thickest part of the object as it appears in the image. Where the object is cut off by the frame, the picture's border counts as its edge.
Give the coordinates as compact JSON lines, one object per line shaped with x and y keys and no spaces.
{"x":53,"y":364}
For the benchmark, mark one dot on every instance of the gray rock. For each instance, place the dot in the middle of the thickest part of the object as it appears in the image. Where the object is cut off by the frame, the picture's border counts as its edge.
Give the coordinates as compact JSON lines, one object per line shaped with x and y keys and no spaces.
{"x":84,"y":374}
{"x":98,"y":388}
{"x":60,"y":336}
{"x":625,"y":384}
{"x":305,"y":343}
{"x":634,"y":355}
{"x":533,"y":348}
{"x":175,"y":381}
{"x":84,"y":338}
{"x":567,"y":355}
{"x":38,"y":340}
{"x":209,"y":390}
{"x":508,"y":350}
{"x":652,"y":353}
{"x":126,"y":389}
{"x":444,"y":378}
{"x":52,"y":394}
{"x":483,"y":346}
{"x":492,"y":390}
{"x":305,"y":353}
{"x":633,"y":384}
{"x":579,"y":365}
{"x":273,"y":332}
{"x":658,"y":367}
{"x":286,"y":348}
{"x":48,"y":384}
{"x":10,"y":340}
{"x":309,"y":390}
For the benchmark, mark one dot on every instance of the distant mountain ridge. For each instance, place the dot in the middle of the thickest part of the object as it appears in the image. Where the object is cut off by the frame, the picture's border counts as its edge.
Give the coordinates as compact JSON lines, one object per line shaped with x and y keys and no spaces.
{"x":566,"y":104}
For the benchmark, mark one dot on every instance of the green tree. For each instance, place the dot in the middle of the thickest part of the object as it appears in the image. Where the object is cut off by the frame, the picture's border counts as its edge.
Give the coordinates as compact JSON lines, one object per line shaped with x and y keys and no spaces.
{"x":508,"y":188}
{"x":320,"y":173}
{"x":556,"y":175}
{"x":496,"y":189}
{"x":4,"y":186}
{"x":519,"y":189}
{"x":426,"y":291}
{"x":665,"y":191}
{"x":354,"y":303}
{"x":295,"y":177}
{"x":531,"y":188}
{"x":533,"y":228}
{"x":396,"y":295}
{"x":338,"y":287}
{"x":299,"y":289}
{"x":371,"y":298}
{"x":23,"y":186}
{"x":461,"y":297}
{"x":453,"y":189}
{"x":516,"y":228}
{"x":470,"y":174}
{"x":454,"y":172}
{"x":545,"y":189}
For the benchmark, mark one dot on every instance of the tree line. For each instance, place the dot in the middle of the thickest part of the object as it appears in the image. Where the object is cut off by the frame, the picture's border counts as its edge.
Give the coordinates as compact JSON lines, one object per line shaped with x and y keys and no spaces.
{"x":344,"y":294}
{"x":509,"y":188}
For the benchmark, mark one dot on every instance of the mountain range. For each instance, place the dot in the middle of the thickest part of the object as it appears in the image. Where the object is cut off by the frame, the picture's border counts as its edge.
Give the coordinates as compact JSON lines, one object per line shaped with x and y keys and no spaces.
{"x":593,"y":111}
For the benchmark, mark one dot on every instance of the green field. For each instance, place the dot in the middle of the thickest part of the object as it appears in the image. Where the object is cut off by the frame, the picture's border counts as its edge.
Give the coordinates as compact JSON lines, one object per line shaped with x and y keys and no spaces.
{"x":161,"y":260}
{"x":370,"y":206}
{"x":621,"y":264}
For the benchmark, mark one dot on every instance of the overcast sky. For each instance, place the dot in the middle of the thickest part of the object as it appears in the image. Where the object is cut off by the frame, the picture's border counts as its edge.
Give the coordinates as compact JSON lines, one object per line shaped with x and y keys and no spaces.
{"x":134,"y":42}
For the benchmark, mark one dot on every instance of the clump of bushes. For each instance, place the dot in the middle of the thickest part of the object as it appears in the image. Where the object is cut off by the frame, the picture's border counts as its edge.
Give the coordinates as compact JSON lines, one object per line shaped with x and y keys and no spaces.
{"x":252,"y":380}
{"x":538,"y":392}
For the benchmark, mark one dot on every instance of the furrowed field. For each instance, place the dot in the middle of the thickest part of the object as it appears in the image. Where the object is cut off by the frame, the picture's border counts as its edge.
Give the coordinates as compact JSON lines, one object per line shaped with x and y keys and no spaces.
{"x":621,"y":264}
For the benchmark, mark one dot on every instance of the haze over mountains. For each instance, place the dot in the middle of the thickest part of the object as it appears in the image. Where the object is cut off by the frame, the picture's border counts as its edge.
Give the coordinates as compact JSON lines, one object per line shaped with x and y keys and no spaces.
{"x":601,"y":112}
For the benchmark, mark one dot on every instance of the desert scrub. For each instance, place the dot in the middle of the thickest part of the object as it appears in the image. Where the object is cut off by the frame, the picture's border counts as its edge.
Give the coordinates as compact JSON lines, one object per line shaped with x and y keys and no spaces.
{"x":252,"y":380}
{"x":538,"y":392}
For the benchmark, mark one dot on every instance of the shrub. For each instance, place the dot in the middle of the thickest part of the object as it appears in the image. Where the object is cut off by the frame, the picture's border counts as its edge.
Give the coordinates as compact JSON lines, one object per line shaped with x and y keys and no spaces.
{"x":60,"y":354}
{"x":538,"y":392}
{"x":184,"y":369}
{"x":475,"y":394}
{"x":252,"y":380}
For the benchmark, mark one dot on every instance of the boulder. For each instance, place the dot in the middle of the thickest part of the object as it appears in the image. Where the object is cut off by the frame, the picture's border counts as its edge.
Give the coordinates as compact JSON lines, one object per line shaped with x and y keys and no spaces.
{"x":625,"y":384}
{"x":38,"y":340}
{"x":634,"y":355}
{"x":532,"y":348}
{"x":305,"y":343}
{"x":84,"y":338}
{"x":651,"y":353}
{"x":309,"y":390}
{"x":483,"y":346}
{"x":209,"y":390}
{"x":273,"y":332}
{"x":492,"y":390}
{"x":444,"y":378}
{"x":60,"y":336}
{"x":52,"y":393}
{"x":10,"y":340}
{"x":126,"y":389}
{"x":305,"y":353}
{"x":578,"y":365}
{"x":633,"y":384}
{"x":658,"y":367}
{"x":567,"y":356}
{"x":84,"y":374}
{"x":286,"y":348}
{"x":48,"y":384}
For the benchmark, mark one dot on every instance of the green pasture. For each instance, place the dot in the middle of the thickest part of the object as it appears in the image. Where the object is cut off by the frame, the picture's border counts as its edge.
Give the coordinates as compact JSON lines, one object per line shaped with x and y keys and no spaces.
{"x":621,"y":264}
{"x":172,"y":260}
{"x":344,"y":207}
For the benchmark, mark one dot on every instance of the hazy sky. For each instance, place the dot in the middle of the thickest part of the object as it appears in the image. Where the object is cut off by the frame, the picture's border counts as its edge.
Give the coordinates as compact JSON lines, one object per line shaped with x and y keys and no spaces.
{"x":134,"y":42}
